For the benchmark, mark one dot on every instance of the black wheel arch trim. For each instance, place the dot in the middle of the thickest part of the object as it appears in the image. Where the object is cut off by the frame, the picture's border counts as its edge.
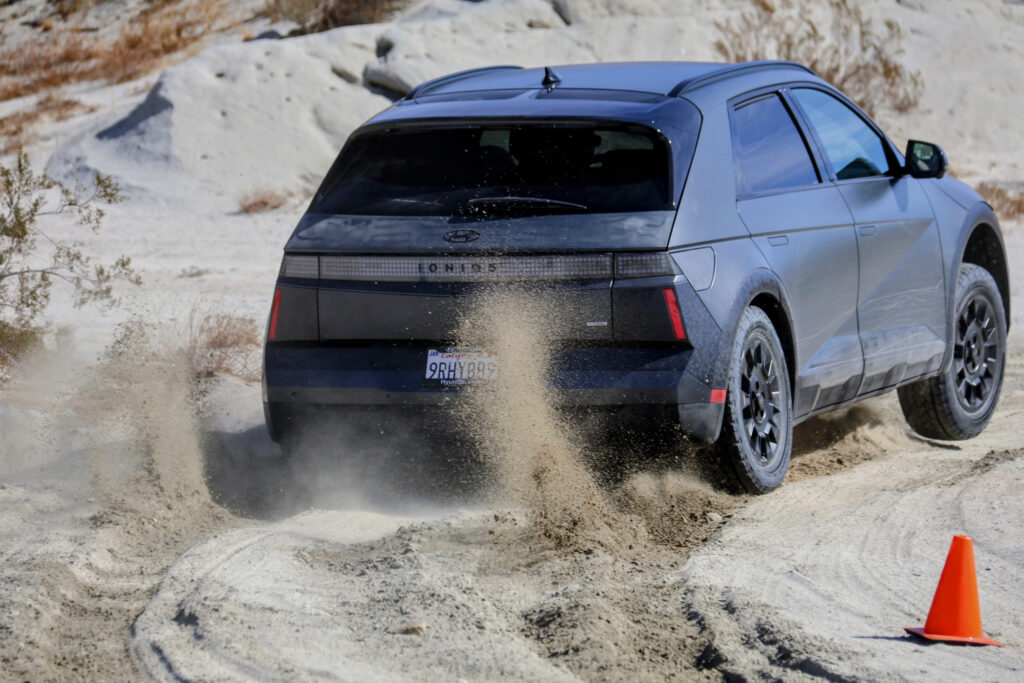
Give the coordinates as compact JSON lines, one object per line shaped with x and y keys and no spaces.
{"x":979,"y":217}
{"x":761,"y":281}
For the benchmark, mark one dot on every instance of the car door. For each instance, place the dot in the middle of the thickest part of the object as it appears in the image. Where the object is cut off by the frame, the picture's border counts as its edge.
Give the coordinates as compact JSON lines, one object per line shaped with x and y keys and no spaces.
{"x":805,"y":231}
{"x":901,"y":295}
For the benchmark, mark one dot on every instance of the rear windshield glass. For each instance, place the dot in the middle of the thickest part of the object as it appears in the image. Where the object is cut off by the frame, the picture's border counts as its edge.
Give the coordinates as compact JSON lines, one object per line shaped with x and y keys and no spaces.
{"x":499,"y":171}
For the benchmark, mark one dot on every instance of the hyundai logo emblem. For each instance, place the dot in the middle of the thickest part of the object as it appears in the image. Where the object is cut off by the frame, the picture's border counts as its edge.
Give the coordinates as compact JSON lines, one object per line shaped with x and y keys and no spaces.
{"x":461,"y":235}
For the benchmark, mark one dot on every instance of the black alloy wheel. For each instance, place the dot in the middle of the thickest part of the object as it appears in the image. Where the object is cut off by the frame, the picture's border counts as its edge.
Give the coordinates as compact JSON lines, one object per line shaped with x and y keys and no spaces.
{"x":976,"y":352}
{"x":760,"y":393}
{"x":959,"y":403}
{"x":757,"y":432}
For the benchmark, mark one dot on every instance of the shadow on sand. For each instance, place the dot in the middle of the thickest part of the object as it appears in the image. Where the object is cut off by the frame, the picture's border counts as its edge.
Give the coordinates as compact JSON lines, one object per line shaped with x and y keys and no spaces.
{"x":392,"y":465}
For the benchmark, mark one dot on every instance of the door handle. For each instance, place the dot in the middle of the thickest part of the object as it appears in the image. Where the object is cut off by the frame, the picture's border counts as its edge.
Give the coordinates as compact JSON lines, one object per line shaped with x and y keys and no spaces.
{"x":778,"y":240}
{"x":867,"y":230}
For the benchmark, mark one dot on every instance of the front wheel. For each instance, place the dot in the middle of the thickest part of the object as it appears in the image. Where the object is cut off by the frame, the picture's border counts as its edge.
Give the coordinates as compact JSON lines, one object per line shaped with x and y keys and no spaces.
{"x":757,"y":435}
{"x":959,"y":403}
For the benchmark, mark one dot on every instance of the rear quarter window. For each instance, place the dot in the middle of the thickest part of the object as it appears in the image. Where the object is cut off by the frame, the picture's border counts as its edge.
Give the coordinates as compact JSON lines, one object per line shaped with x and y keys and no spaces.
{"x":769,"y":153}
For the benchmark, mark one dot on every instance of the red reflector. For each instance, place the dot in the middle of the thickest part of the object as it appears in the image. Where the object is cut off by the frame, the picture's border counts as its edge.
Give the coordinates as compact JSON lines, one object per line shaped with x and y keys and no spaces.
{"x":673,"y":312}
{"x":273,"y":314}
{"x":718,"y":396}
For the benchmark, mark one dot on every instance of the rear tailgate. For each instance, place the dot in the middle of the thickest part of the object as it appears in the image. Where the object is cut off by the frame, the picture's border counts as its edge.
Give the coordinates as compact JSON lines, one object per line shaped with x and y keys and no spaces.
{"x":373,"y":285}
{"x":431,"y":308}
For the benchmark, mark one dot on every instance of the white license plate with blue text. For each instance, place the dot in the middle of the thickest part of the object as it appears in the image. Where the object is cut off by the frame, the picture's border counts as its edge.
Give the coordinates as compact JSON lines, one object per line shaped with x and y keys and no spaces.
{"x":453,"y":367}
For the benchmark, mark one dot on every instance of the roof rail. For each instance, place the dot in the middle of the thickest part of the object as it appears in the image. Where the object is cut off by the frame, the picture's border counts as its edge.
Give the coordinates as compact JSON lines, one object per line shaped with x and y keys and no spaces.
{"x":425,"y":87}
{"x":731,"y":70}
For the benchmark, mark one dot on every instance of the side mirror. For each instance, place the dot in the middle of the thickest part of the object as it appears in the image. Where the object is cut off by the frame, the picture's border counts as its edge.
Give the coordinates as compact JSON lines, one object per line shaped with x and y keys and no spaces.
{"x":925,"y":160}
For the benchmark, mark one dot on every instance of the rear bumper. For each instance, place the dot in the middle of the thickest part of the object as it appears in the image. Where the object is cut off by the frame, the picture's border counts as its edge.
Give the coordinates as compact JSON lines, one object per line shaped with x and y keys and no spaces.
{"x":298,"y":376}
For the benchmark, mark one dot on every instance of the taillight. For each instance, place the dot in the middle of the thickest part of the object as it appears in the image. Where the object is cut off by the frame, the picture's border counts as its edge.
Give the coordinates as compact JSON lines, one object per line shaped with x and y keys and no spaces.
{"x":672,"y":304}
{"x":273,"y":314}
{"x":644,"y":264}
{"x":295,"y":265}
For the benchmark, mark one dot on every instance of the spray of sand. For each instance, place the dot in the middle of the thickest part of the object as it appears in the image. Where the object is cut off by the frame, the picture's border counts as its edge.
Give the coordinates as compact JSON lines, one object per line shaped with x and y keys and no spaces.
{"x":538,"y":456}
{"x":141,"y":405}
{"x":116,"y":445}
{"x":535,"y":454}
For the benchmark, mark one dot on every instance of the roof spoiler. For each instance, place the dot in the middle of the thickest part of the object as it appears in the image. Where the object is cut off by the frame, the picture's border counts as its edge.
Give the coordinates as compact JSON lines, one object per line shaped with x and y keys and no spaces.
{"x":733,"y":69}
{"x":427,"y":86}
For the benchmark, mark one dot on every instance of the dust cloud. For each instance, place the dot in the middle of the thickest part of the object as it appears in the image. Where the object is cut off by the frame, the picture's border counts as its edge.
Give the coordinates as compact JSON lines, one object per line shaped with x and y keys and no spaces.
{"x":105,"y":463}
{"x":543,"y":460}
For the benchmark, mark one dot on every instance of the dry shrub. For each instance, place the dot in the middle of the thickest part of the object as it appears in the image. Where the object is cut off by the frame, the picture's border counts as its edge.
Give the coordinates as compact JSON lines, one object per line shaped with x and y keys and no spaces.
{"x":161,"y":29}
{"x":65,"y":56}
{"x":849,"y":51}
{"x":262,"y":200}
{"x":68,"y":8}
{"x":1007,"y":204}
{"x":322,"y":15}
{"x":223,"y":344}
{"x":69,"y":54}
{"x":15,"y":129}
{"x":299,"y":11}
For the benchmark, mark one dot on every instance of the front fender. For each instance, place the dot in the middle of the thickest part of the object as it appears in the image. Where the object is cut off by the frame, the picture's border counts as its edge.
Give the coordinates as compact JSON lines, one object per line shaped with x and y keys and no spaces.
{"x":980,"y":217}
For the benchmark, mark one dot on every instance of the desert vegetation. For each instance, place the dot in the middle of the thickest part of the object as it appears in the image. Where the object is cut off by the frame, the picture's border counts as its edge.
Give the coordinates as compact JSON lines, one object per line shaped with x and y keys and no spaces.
{"x":219,"y":343}
{"x":260,"y":201}
{"x":70,"y":53}
{"x":16,"y":129}
{"x":1008,"y":205}
{"x":837,"y":39}
{"x":28,"y":272}
{"x":322,"y":15}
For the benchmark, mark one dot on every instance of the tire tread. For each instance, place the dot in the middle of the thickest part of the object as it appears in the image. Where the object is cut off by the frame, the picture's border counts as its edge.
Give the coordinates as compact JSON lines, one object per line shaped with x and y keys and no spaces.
{"x":929,"y":405}
{"x":730,"y":445}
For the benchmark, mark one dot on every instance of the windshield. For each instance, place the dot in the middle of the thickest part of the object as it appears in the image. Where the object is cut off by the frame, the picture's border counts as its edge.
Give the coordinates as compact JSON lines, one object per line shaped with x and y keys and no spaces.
{"x":500,"y":171}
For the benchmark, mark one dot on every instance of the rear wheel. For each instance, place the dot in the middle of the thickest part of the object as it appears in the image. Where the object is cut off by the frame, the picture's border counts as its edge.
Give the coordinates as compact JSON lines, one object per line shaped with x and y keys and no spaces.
{"x":959,"y":403}
{"x":757,"y":433}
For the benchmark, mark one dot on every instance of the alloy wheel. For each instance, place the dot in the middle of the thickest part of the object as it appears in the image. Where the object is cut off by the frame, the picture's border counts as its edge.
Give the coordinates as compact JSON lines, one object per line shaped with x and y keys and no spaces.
{"x":761,"y":400}
{"x":976,"y":353}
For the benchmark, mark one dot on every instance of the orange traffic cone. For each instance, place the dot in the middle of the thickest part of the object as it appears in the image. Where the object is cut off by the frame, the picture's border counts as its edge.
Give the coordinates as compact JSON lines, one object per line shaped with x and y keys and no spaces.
{"x":955,"y":616}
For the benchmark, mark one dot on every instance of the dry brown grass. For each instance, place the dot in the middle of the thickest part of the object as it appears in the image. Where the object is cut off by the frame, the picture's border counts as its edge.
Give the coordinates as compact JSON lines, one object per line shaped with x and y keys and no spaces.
{"x":68,"y":8}
{"x":262,"y":200}
{"x":162,"y":29}
{"x":848,"y":50}
{"x":68,"y":54}
{"x":63,"y":57}
{"x":1008,"y":205}
{"x":16,"y":129}
{"x":322,"y":15}
{"x":223,"y":344}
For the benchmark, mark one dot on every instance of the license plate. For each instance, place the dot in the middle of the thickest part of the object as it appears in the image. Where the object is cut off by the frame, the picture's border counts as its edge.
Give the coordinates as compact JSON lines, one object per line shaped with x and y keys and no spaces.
{"x":451,"y":367}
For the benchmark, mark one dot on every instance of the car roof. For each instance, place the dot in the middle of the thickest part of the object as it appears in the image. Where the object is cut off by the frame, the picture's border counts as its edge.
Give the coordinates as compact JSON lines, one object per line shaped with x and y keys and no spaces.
{"x":654,"y":94}
{"x":667,"y":79}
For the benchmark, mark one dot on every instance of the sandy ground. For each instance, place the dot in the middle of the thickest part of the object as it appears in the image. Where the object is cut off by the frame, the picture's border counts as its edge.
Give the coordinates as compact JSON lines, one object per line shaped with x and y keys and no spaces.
{"x":147,"y":529}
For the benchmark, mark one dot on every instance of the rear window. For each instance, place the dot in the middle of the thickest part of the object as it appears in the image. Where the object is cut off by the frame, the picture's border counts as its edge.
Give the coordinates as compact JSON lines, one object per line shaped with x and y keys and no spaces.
{"x":499,"y":171}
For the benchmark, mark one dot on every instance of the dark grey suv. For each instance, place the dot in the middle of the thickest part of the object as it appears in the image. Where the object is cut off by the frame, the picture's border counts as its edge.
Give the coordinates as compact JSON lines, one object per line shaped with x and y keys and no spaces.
{"x":736,"y":244}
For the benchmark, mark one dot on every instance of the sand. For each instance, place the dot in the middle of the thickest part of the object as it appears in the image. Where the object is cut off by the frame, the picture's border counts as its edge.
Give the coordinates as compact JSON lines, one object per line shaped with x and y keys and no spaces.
{"x":150,"y":531}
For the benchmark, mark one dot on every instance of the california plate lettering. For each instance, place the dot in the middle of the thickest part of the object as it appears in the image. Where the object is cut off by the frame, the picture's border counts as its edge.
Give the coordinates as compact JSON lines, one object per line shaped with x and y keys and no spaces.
{"x":455,"y":368}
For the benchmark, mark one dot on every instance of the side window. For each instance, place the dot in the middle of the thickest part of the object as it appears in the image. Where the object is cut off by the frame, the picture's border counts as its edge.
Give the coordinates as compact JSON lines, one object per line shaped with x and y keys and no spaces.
{"x":768,"y":151}
{"x":852,"y":147}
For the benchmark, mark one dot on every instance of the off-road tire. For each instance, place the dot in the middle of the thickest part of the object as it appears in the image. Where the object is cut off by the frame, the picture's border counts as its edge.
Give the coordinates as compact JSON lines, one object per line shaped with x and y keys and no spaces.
{"x":941,"y":407}
{"x":757,"y":433}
